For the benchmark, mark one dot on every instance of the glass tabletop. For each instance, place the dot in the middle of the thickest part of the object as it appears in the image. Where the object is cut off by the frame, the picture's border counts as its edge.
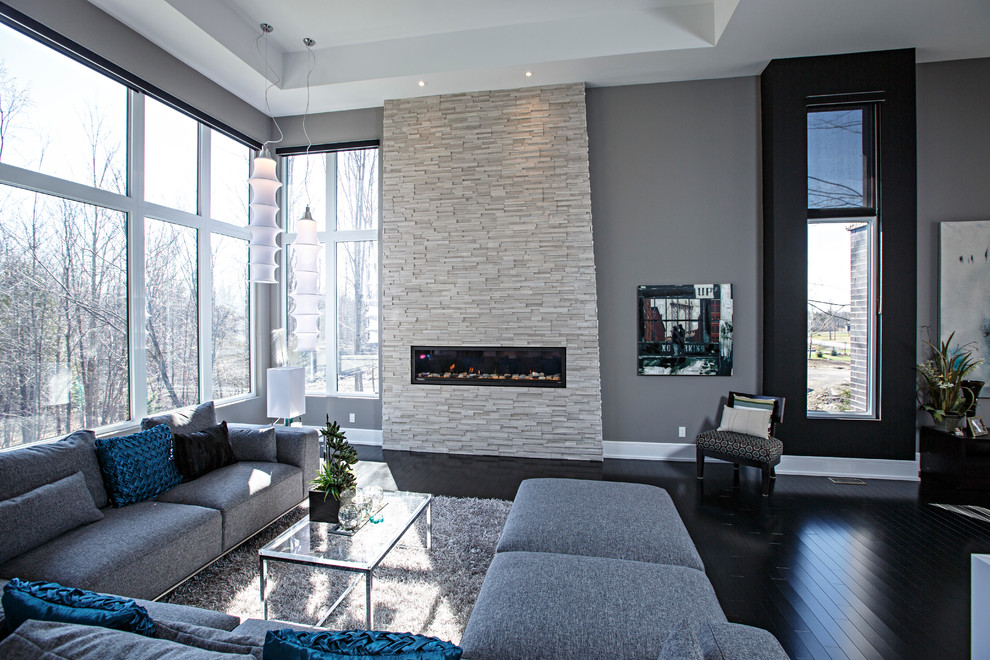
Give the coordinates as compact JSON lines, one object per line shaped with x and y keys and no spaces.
{"x":315,"y":543}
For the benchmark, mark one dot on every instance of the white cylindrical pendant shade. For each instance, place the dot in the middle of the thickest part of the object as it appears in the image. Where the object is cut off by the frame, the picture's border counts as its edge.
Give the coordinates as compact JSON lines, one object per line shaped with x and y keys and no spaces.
{"x":264,"y":225}
{"x":306,"y":294}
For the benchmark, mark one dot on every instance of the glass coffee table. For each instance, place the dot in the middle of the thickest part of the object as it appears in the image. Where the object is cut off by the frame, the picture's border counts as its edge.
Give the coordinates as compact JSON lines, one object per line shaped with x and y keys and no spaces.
{"x":324,"y":545}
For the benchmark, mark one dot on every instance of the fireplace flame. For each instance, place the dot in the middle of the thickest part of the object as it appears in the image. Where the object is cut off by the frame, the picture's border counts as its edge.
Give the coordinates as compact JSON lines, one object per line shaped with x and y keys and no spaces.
{"x":451,"y":367}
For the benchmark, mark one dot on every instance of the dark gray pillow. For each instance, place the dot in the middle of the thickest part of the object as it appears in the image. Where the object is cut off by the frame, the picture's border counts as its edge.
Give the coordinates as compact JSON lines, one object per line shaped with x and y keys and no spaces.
{"x":682,"y":643}
{"x":27,"y":468}
{"x":254,"y":444}
{"x":184,"y":420}
{"x":208,"y":639}
{"x":28,"y":520}
{"x":70,"y":641}
{"x":734,"y":641}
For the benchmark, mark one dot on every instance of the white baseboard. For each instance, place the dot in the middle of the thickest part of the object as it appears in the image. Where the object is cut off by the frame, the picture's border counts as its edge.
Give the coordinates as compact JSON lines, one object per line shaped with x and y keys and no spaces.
{"x":825,"y":466}
{"x":363,"y":436}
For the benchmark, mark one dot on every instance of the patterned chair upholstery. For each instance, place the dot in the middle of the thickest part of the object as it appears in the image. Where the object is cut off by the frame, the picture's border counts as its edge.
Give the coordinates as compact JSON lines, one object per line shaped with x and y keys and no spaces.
{"x":740,"y":448}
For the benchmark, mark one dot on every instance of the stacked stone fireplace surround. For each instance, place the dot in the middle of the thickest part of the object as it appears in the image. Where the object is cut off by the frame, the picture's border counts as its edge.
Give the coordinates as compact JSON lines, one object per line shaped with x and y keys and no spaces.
{"x":487,"y":241}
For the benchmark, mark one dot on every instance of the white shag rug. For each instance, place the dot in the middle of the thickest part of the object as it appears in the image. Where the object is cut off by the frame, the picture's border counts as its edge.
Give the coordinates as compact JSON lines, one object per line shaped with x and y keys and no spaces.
{"x":430,"y":592}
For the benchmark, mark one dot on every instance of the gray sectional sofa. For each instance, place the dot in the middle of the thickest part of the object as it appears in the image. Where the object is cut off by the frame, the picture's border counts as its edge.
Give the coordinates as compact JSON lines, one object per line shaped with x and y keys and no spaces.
{"x":142,"y":550}
{"x":595,"y":569}
{"x":583,"y":569}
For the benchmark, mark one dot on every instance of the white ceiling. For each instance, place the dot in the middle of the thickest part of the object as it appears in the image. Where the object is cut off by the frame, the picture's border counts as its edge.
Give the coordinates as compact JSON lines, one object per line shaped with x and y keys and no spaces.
{"x":370,"y":50}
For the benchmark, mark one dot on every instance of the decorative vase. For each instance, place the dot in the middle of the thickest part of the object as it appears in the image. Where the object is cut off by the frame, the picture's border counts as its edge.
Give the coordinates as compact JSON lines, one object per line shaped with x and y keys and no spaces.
{"x":971,"y":390}
{"x":948,"y":424}
{"x":324,"y":508}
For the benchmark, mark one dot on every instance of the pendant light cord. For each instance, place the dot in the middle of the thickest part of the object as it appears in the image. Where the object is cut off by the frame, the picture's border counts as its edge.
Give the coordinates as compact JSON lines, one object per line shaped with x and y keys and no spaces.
{"x":311,"y":56}
{"x":265,"y":30}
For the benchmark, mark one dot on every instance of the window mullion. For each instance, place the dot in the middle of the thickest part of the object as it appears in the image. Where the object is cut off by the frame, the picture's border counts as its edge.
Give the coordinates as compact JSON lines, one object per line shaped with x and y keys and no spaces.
{"x":330,"y":331}
{"x":205,"y":269}
{"x":137,"y":300}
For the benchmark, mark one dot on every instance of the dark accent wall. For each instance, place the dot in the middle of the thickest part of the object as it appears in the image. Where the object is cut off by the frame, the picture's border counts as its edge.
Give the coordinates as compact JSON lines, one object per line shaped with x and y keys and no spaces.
{"x":675,"y":196}
{"x":788,"y":87}
{"x":953,"y":168}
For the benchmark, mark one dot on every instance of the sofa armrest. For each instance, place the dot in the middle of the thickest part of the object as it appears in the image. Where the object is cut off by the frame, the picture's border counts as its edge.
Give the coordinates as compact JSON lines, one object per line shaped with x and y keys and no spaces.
{"x":299,"y":446}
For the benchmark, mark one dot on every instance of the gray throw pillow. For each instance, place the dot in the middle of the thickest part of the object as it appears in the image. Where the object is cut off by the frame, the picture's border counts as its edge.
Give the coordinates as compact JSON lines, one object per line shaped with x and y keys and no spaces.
{"x":682,"y":643}
{"x":208,"y":639}
{"x":70,"y":641}
{"x":38,"y":516}
{"x":33,"y":466}
{"x":253,"y":443}
{"x":184,"y":420}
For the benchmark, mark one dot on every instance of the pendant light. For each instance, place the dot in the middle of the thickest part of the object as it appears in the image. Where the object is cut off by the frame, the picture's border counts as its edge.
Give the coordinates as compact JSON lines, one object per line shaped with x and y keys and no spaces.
{"x":264,"y":209}
{"x":264,"y":185}
{"x":306,"y":247}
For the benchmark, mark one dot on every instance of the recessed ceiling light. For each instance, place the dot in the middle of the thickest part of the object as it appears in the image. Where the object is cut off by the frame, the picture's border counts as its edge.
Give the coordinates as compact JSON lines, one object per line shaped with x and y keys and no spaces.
{"x":529,"y":74}
{"x":422,"y":83}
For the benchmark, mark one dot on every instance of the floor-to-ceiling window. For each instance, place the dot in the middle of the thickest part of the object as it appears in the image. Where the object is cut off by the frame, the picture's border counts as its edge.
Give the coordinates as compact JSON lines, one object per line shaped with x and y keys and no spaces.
{"x":341,"y":188}
{"x":123,"y":244}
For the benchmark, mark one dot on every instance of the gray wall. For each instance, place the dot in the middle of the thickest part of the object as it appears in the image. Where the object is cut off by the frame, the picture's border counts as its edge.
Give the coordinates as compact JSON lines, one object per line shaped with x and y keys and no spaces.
{"x":675,"y":200}
{"x":106,"y":36}
{"x":953,"y":167}
{"x":330,"y":127}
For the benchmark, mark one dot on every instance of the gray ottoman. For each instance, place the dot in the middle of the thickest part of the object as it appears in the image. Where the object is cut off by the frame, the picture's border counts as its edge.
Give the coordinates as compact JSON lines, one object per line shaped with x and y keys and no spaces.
{"x":598,"y":519}
{"x":545,"y":605}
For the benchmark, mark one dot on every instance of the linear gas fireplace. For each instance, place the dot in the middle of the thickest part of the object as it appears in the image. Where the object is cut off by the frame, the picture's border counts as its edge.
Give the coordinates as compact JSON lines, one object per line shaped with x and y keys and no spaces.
{"x":500,"y":366}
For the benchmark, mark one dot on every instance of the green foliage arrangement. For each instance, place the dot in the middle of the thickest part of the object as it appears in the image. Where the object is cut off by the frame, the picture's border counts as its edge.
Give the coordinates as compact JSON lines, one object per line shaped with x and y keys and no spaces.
{"x":941,"y":390}
{"x":336,"y":476}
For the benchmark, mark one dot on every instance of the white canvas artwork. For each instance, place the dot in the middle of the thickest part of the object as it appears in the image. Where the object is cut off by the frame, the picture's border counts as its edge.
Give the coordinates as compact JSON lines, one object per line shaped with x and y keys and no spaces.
{"x":964,"y":290}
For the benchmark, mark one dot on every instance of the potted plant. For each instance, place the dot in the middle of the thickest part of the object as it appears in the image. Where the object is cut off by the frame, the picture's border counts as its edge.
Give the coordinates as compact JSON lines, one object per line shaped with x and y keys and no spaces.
{"x":336,"y":477}
{"x":942,"y":391}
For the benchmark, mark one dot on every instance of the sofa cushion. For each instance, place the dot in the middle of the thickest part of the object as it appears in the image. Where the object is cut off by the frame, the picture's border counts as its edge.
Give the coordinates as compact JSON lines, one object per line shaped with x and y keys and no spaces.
{"x":598,"y":519}
{"x":290,"y":644}
{"x":254,"y":443}
{"x":203,"y":451}
{"x":248,"y":494}
{"x":28,"y":520}
{"x":546,"y":605}
{"x":50,"y":601}
{"x":733,"y":641}
{"x":27,"y":468}
{"x":187,"y":614}
{"x":257,"y":629}
{"x":208,"y":639}
{"x":184,"y":420}
{"x":137,"y":551}
{"x":682,"y":643}
{"x":66,"y":641}
{"x":137,"y":467}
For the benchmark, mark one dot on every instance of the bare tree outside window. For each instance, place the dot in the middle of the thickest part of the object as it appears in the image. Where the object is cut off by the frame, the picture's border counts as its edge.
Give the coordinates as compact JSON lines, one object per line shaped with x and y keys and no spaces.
{"x":171,"y":280}
{"x":231,"y":341}
{"x":342,"y":189}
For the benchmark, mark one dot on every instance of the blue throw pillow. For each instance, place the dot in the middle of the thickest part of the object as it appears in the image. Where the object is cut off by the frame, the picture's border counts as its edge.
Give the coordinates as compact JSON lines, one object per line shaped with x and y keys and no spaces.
{"x":48,"y":601}
{"x":139,"y":466}
{"x":340,"y":645}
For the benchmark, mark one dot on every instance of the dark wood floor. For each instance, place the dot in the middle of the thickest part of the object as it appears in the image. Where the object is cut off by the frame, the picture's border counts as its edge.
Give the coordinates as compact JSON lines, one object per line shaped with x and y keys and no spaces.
{"x":834,"y":571}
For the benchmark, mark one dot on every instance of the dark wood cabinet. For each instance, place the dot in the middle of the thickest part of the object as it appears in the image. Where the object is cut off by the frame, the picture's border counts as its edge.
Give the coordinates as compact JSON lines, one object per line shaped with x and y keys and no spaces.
{"x":953,"y":462}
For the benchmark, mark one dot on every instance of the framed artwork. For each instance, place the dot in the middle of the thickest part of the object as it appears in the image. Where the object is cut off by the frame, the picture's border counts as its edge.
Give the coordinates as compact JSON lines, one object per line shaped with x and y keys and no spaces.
{"x":685,"y":330}
{"x":964,"y":290}
{"x":976,"y":426}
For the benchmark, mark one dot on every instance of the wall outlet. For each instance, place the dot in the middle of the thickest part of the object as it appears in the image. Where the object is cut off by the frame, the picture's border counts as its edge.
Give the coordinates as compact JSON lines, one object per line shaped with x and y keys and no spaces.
{"x":681,"y":431}
{"x":351,"y":418}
